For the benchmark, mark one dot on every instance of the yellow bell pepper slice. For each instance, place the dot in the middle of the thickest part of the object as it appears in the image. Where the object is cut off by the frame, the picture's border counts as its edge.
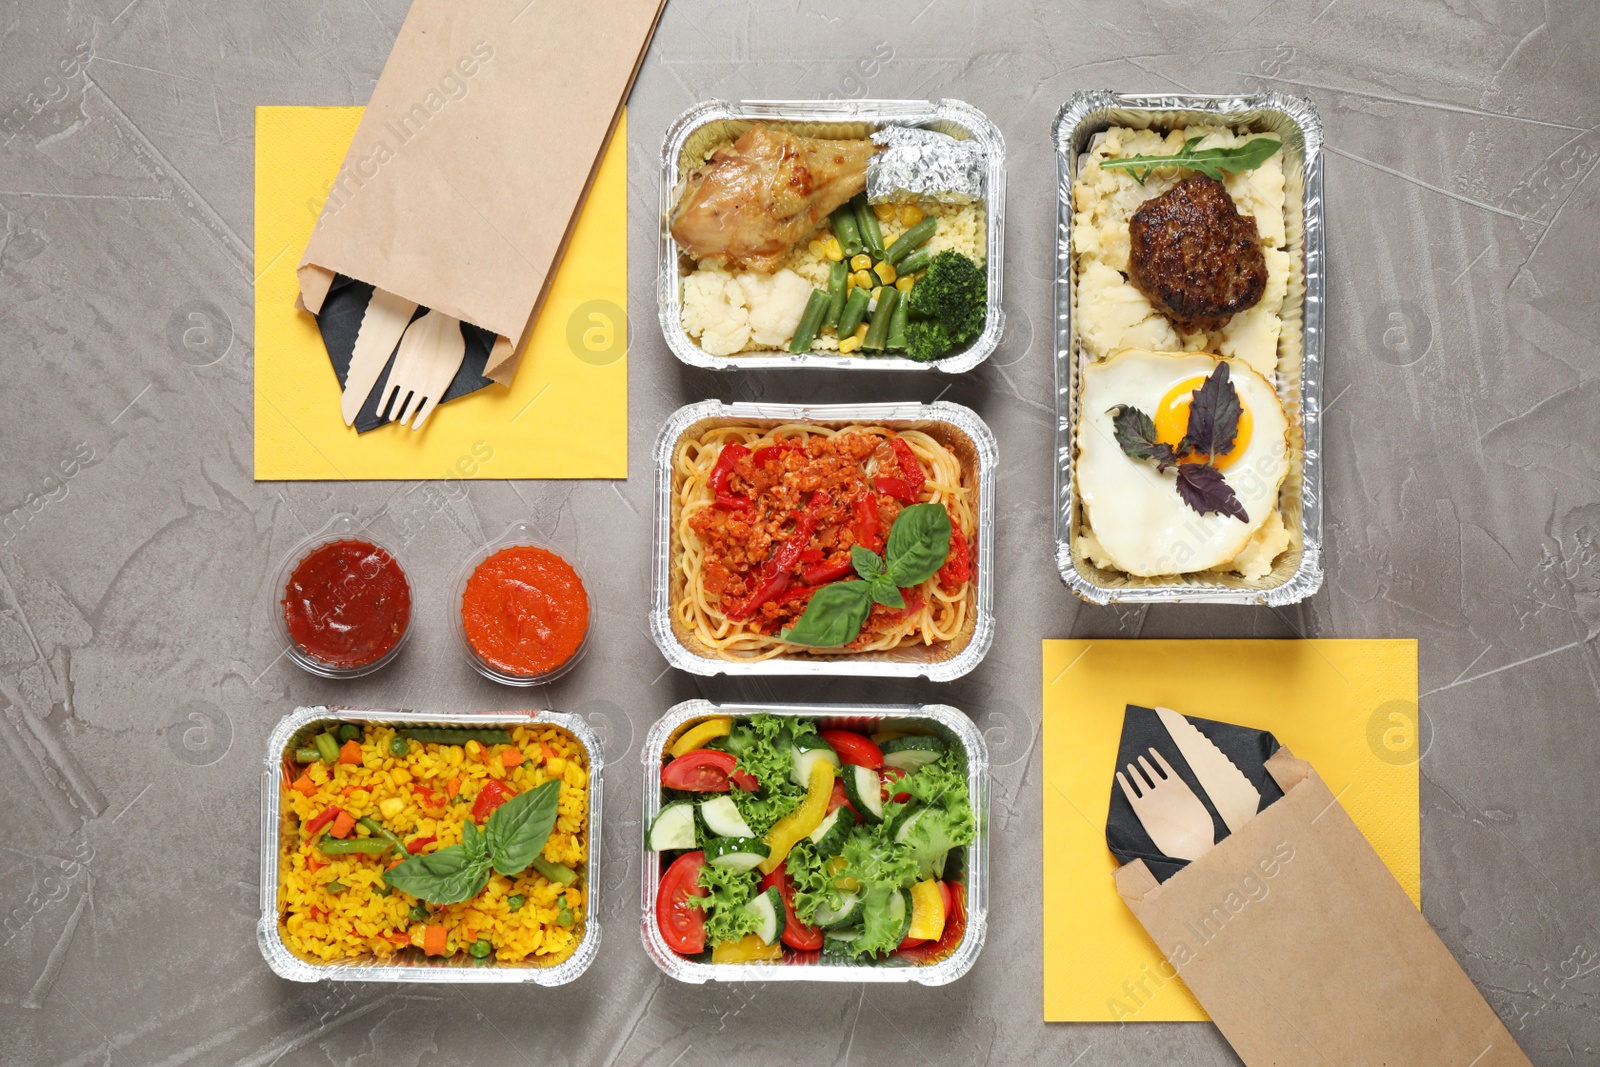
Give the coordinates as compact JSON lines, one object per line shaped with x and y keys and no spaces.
{"x":927,"y":911}
{"x":698,"y":736}
{"x":748,"y":949}
{"x":787,"y":831}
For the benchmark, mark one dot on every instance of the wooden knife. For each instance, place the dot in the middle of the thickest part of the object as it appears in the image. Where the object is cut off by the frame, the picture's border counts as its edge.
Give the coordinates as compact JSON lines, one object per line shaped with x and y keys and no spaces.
{"x":1231,"y":793}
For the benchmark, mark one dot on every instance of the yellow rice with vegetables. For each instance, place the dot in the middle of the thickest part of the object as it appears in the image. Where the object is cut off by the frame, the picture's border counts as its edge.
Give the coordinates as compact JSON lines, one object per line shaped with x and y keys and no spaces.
{"x":337,"y":907}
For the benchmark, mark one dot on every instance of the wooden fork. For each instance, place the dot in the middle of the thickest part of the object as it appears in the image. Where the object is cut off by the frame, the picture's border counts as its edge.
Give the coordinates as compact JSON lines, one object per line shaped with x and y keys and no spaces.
{"x":430,"y":353}
{"x":1171,"y":814}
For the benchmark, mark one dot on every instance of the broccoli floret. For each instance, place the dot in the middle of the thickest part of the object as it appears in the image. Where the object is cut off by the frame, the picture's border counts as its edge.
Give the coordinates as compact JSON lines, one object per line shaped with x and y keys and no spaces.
{"x":952,"y":293}
{"x":927,"y":340}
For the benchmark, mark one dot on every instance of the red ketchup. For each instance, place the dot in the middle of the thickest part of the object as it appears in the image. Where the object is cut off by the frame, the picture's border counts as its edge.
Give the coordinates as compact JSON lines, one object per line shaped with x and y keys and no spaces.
{"x":347,"y":604}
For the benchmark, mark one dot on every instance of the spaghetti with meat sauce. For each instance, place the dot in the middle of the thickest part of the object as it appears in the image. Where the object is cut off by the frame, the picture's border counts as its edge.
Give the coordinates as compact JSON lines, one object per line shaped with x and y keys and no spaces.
{"x":765,"y":518}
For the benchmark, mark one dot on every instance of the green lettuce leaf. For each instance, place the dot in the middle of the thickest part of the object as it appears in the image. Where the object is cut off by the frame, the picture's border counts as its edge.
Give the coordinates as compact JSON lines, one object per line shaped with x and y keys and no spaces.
{"x":727,"y":919}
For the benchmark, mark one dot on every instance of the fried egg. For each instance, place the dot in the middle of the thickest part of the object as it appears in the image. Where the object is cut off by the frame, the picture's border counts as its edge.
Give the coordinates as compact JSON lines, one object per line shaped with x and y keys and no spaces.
{"x":1135,"y":512}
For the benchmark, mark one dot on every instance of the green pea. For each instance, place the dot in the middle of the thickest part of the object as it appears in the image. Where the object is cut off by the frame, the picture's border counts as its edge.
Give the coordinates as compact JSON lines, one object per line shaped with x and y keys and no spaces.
{"x":564,"y":916}
{"x":349,"y":732}
{"x":419,"y":914}
{"x":336,"y":887}
{"x":480,"y":948}
{"x":516,"y":902}
{"x":398,"y":746}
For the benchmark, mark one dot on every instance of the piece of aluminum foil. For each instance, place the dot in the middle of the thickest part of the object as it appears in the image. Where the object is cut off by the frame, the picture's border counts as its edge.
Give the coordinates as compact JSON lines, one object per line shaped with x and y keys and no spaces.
{"x":1298,"y":572}
{"x":683,"y":147}
{"x":942,"y":720}
{"x":926,"y":163}
{"x":966,"y":434}
{"x":296,"y":729}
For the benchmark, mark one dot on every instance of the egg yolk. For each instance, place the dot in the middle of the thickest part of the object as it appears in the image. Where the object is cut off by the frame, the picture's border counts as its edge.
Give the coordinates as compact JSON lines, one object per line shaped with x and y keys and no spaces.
{"x":1172,"y":419}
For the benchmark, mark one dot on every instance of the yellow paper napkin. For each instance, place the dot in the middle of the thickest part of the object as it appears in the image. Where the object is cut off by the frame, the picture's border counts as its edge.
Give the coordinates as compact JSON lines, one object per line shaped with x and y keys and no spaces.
{"x":1349,"y":707}
{"x":566,"y":412}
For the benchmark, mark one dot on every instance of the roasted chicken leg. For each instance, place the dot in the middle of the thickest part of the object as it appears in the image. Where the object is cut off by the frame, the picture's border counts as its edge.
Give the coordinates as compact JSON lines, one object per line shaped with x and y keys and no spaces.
{"x":752,"y":201}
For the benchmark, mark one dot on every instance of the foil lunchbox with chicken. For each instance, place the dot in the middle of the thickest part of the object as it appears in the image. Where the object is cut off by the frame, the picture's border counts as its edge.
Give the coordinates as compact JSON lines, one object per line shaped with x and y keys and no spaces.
{"x":775,"y":213}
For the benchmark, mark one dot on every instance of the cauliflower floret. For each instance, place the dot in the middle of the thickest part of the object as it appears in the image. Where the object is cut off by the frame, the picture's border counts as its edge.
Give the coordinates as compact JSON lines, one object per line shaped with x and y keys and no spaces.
{"x":714,"y":311}
{"x":776,"y":303}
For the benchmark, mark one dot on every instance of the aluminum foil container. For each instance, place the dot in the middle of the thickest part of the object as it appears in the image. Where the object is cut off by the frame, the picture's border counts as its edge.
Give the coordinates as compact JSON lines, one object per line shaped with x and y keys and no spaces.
{"x":957,"y":427}
{"x":1298,"y":573}
{"x":953,"y":726}
{"x":922,"y":162}
{"x":296,"y":729}
{"x":703,"y":125}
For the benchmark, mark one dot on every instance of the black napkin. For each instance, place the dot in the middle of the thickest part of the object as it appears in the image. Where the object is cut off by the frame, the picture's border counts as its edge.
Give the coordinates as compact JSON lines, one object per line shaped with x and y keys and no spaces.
{"x":1141,"y":731}
{"x":340,"y":321}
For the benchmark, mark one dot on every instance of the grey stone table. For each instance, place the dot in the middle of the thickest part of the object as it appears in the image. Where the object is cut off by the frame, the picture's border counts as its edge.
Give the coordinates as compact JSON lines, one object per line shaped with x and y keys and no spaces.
{"x":136,"y":663}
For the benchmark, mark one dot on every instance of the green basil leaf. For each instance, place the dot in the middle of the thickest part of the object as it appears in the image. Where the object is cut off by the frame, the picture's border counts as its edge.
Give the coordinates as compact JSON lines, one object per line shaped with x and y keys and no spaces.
{"x":519,"y":828}
{"x":446,"y":876}
{"x":473,"y":841}
{"x":867,"y":563}
{"x":919,"y":542}
{"x":833,"y":617}
{"x":884,"y":591}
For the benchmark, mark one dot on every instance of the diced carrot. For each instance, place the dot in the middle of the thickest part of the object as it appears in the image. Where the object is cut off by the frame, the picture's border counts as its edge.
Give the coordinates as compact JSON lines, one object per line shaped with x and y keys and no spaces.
{"x":511,"y":758}
{"x":343,"y":824}
{"x":304,"y":785}
{"x":347,"y":790}
{"x":350,"y":752}
{"x":318,"y":914}
{"x":467,"y":935}
{"x":433,"y":939}
{"x":314,"y":862}
{"x":398,"y":937}
{"x":452,"y":787}
{"x":549,"y":753}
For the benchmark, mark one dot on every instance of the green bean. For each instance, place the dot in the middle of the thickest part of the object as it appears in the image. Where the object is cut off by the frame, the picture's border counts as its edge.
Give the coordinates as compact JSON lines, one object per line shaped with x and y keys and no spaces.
{"x":878,"y":335}
{"x":838,"y":289}
{"x":419,"y":914}
{"x":349,"y":732}
{"x":897,"y":324}
{"x":336,"y":887}
{"x":556,"y":872}
{"x":911,"y":240}
{"x":810,"y":322}
{"x":384,"y":889}
{"x":871,"y":232}
{"x":916,"y":261}
{"x":362,"y":846}
{"x":327,"y":747}
{"x":516,"y":901}
{"x":564,"y":916}
{"x":382,"y":834}
{"x":855,"y":309}
{"x":398,"y":746}
{"x":846,"y":230}
{"x":307,"y":755}
{"x":458,"y":735}
{"x":480,"y":948}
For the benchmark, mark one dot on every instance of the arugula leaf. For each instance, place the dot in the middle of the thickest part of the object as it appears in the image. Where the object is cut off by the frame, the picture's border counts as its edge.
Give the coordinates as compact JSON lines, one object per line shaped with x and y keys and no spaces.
{"x":519,"y":828}
{"x":1213,"y":416}
{"x":1212,"y":162}
{"x":1136,"y":433}
{"x":834,"y":616}
{"x":447,"y":876}
{"x":1204,"y":489}
{"x":919,"y":543}
{"x":867,"y":563}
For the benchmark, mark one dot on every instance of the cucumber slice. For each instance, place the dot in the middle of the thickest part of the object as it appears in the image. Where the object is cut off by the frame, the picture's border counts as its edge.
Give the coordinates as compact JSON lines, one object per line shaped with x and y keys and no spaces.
{"x":912,"y":752}
{"x":673,"y":828}
{"x":848,"y":913}
{"x":738,"y":853}
{"x":907,"y":824}
{"x":900,"y":912}
{"x":808,"y":750}
{"x":830,"y":835}
{"x":722,"y":817}
{"x":864,"y":789}
{"x":840,"y":942}
{"x":768,"y":910}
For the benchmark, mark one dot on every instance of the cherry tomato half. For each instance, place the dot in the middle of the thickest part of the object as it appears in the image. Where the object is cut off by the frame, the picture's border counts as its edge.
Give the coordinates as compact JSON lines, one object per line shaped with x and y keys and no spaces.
{"x":705,"y":770}
{"x":955,"y":926}
{"x":683,"y":926}
{"x":853,"y":749}
{"x":796,"y":934}
{"x":840,"y":800}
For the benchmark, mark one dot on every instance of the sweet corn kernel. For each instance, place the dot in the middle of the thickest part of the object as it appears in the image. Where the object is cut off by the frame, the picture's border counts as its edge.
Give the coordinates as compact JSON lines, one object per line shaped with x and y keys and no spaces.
{"x":903,"y":284}
{"x":877,"y":291}
{"x":889,"y":240}
{"x":849,"y":282}
{"x":834,"y":250}
{"x":884,"y":211}
{"x":392,"y":807}
{"x":849,"y":344}
{"x":816,"y":248}
{"x":885,"y":271}
{"x":860,"y":261}
{"x":861,"y":332}
{"x":910,"y":215}
{"x":863,"y":279}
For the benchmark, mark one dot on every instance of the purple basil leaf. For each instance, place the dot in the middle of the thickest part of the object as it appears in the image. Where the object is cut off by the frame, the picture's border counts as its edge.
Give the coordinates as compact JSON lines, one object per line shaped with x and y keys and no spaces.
{"x":1136,"y":434}
{"x":1204,"y":489}
{"x":1213,"y":415}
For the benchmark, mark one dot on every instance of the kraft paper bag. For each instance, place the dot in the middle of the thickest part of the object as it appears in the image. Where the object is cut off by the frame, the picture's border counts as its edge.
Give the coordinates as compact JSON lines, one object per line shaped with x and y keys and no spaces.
{"x":1304,"y":949}
{"x":482,"y":137}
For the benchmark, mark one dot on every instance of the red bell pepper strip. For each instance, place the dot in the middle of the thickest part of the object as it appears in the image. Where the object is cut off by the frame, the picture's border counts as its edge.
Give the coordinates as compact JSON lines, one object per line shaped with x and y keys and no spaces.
{"x":910,"y":468}
{"x":957,"y":567}
{"x":765,"y":455}
{"x":331,"y":812}
{"x":773,"y":578}
{"x":898,"y":488}
{"x":493,"y":794}
{"x":417,"y":844}
{"x":734,"y":502}
{"x":866,"y":524}
{"x":823,"y":573}
{"x":730,"y":454}
{"x":811,"y":555}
